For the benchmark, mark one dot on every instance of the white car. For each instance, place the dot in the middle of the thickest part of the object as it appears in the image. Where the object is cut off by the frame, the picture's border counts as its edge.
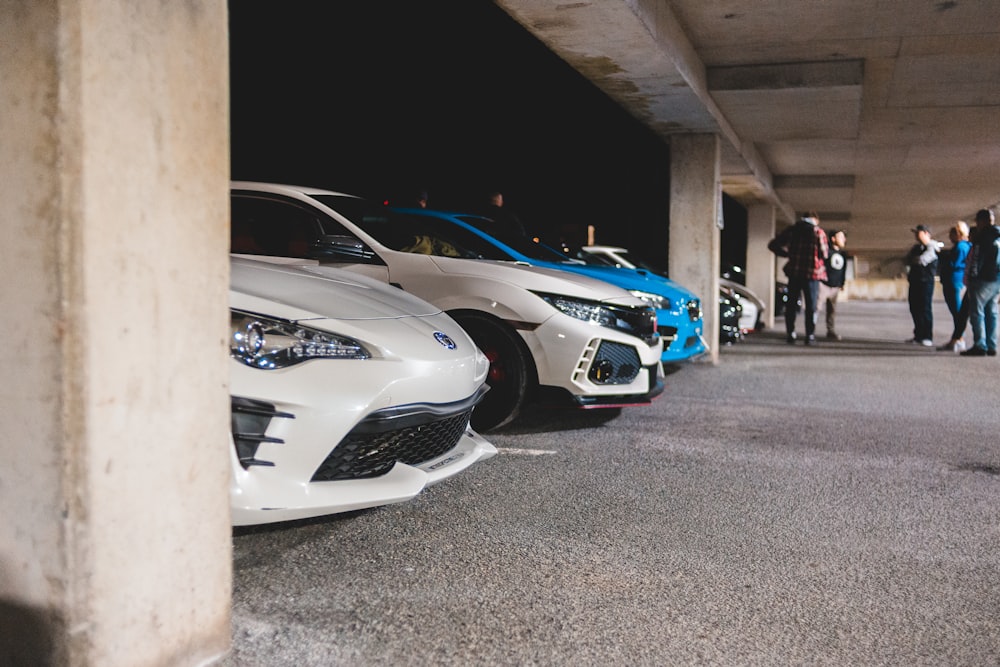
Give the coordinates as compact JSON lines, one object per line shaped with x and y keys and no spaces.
{"x":346,"y":394}
{"x":752,"y":315}
{"x":547,"y":332}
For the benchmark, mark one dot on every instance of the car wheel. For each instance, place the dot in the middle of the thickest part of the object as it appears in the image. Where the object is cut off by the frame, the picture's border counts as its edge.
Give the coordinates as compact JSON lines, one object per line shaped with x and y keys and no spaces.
{"x":510,"y":376}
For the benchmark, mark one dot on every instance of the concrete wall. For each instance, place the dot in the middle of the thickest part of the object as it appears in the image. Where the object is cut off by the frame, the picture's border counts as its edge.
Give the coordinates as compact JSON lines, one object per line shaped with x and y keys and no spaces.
{"x":760,"y":270}
{"x":863,"y":289}
{"x":115,"y":544}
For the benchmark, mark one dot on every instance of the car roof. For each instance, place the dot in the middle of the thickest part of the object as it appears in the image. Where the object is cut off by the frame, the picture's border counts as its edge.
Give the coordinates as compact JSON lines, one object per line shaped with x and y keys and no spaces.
{"x":282,"y":188}
{"x":610,"y":248}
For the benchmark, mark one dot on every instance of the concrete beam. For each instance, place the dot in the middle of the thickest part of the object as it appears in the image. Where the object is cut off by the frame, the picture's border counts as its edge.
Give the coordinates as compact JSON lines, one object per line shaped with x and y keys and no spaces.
{"x":815,"y":182}
{"x":834,"y":73}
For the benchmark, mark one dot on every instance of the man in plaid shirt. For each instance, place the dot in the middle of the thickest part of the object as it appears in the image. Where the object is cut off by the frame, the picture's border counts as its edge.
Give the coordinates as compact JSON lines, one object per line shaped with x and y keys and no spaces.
{"x":805,"y":246}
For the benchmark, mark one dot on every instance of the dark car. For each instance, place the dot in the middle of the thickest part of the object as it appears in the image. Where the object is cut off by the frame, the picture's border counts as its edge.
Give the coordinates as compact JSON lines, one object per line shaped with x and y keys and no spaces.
{"x":730,"y":312}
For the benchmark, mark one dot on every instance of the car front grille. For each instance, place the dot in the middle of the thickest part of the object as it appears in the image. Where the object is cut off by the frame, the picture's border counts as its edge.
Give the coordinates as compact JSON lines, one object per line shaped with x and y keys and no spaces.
{"x":369,"y":451}
{"x":668,"y":334}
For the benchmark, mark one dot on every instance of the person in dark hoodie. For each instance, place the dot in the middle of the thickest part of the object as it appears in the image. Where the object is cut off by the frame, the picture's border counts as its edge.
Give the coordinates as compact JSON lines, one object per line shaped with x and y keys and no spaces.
{"x":983,"y":281}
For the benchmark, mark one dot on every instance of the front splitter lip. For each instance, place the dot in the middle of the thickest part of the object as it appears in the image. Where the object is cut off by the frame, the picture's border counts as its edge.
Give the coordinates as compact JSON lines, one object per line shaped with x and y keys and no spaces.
{"x":624,"y":401}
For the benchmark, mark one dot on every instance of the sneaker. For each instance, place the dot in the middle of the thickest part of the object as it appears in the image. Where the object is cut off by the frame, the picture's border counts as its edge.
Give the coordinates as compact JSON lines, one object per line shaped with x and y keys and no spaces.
{"x":926,"y":342}
{"x":975,"y":352}
{"x":959,"y":345}
{"x":948,"y":347}
{"x":790,"y":338}
{"x":991,"y":353}
{"x":911,"y":341}
{"x":833,"y":335}
{"x":810,"y":340}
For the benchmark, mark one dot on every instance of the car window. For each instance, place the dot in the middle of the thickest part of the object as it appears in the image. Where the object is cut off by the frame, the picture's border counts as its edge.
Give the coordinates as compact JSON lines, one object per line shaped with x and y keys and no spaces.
{"x":434,"y":236}
{"x":414,"y":233}
{"x":263,"y":226}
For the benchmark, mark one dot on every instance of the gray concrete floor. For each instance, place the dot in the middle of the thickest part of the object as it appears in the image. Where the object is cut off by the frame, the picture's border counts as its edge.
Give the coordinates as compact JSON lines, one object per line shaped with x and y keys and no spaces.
{"x":833,"y":505}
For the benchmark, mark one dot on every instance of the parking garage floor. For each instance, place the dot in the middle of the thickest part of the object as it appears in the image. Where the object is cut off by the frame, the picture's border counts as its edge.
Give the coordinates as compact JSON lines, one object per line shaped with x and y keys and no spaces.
{"x":830,"y":505}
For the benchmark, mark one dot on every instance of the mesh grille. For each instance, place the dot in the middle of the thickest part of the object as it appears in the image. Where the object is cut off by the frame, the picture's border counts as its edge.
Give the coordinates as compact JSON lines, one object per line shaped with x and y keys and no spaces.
{"x":624,"y":360}
{"x":362,"y":454}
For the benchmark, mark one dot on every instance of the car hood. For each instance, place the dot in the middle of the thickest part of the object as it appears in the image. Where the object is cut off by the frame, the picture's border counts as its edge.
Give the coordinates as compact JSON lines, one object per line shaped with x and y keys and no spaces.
{"x":633,"y":279}
{"x":537,"y":278}
{"x":300,"y":288}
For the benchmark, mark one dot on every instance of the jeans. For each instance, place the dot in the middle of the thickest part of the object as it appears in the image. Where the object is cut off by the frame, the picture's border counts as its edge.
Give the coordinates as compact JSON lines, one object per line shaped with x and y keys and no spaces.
{"x":958,"y":306}
{"x":983,"y":312}
{"x":809,"y":289}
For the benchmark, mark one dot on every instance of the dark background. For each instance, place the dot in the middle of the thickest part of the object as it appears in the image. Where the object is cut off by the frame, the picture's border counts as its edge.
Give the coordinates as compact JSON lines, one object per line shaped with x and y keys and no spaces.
{"x":386,"y":98}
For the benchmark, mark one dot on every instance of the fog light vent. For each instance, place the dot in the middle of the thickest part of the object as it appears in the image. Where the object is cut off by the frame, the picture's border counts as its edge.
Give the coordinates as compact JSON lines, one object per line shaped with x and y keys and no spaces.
{"x":614,"y":363}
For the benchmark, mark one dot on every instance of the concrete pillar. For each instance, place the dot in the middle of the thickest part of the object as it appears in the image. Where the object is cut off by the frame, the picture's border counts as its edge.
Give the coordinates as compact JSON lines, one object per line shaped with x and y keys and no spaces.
{"x":115,"y":544}
{"x":760,"y":261}
{"x":695,"y":246}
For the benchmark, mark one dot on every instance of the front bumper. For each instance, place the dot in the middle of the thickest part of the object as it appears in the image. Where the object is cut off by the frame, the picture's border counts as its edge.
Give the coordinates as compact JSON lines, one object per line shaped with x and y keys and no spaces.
{"x":595,"y":366}
{"x":682,"y":336}
{"x":305,"y":444}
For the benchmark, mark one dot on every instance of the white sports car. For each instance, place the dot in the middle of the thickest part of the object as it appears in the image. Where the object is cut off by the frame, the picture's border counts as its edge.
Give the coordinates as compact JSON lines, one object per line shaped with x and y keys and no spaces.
{"x":346,"y":393}
{"x":547,"y":332}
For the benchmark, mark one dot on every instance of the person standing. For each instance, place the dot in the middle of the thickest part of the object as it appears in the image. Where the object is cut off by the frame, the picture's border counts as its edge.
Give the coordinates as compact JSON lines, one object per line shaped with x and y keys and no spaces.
{"x":836,"y":274}
{"x":504,"y":216}
{"x":806,"y":247}
{"x":951,"y":270}
{"x":921,"y":265}
{"x":983,"y":282}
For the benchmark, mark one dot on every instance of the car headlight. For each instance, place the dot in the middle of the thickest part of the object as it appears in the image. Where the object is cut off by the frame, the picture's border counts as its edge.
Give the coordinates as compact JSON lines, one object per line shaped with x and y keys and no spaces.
{"x":657,"y":301}
{"x":268,"y":343}
{"x":639,"y":321}
{"x":588,"y":311}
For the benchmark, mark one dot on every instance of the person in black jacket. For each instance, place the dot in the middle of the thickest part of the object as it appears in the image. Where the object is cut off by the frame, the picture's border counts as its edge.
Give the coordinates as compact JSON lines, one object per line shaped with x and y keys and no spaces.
{"x":983,"y":280}
{"x":805,"y":245}
{"x":921,"y":264}
{"x":506,"y":218}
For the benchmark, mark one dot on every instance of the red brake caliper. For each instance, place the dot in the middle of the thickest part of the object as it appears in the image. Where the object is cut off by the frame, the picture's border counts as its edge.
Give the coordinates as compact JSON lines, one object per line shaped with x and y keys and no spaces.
{"x":497,"y":373}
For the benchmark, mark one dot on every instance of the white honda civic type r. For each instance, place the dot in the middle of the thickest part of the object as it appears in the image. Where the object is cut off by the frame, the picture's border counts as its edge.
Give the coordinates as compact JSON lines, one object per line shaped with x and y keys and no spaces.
{"x":346,"y":393}
{"x":551,"y":336}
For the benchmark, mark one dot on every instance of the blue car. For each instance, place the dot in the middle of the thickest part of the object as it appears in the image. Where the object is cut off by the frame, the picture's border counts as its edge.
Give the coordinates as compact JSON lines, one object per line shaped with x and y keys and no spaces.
{"x":678,"y":311}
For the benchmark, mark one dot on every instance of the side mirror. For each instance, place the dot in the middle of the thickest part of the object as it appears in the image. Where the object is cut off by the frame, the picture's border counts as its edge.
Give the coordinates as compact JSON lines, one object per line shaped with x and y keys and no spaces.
{"x":340,"y":248}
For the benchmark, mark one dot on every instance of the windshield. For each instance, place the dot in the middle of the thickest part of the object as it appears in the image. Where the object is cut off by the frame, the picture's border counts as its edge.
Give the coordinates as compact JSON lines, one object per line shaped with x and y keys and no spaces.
{"x":524,"y":245}
{"x":413,"y":233}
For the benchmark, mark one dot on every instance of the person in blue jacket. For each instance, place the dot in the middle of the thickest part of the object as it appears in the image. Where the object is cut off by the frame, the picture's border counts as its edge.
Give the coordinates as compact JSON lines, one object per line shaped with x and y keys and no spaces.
{"x":951,"y":269}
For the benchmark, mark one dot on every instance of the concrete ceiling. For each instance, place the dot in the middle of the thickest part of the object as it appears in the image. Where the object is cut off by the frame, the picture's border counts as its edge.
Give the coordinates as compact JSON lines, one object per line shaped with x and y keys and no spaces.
{"x":877,"y":114}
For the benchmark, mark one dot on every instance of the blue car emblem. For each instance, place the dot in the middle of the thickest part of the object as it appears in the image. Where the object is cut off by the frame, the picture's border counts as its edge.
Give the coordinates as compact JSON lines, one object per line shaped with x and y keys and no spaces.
{"x":445,"y":340}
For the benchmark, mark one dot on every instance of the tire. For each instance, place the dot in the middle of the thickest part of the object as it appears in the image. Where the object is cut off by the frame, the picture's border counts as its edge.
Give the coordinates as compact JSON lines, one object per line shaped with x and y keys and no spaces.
{"x":511,"y":374}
